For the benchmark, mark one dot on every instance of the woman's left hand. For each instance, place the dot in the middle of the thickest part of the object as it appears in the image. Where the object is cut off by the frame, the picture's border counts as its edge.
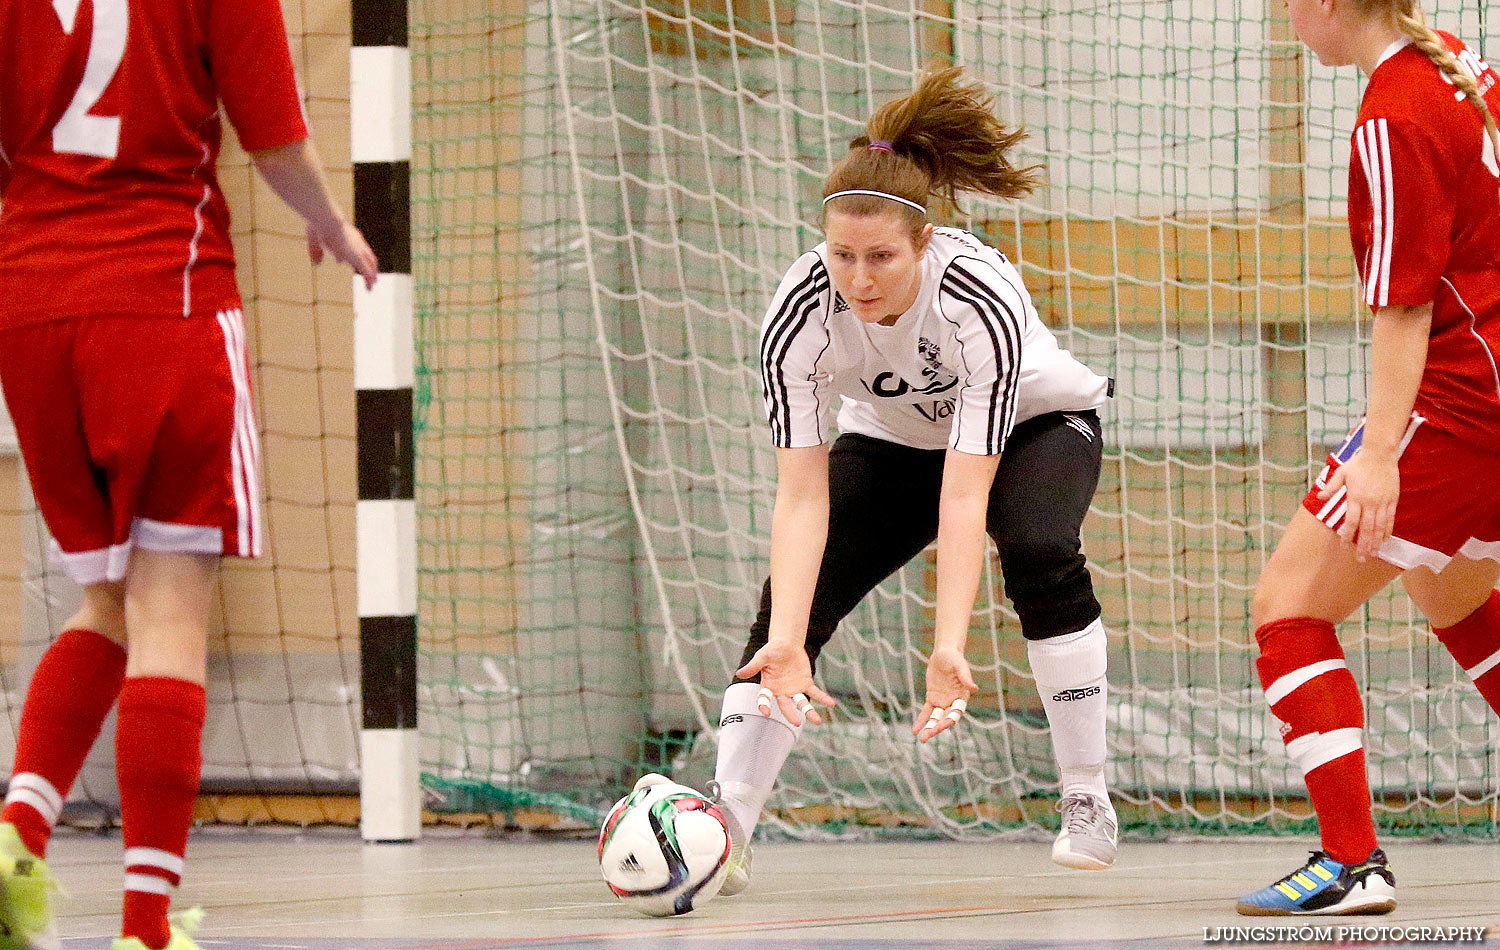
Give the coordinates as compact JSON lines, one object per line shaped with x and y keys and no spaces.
{"x":949,"y":686}
{"x":1372,"y":484}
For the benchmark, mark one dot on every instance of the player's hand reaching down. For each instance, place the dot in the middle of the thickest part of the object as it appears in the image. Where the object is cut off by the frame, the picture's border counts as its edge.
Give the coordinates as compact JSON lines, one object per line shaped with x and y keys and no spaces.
{"x":347,"y":245}
{"x":949,"y":686}
{"x":295,"y":172}
{"x":786,"y":678}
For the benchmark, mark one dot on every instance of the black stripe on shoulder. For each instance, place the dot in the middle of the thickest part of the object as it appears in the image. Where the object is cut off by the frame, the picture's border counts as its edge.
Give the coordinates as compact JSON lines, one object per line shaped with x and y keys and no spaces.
{"x":776,"y":340}
{"x":1003,"y":325}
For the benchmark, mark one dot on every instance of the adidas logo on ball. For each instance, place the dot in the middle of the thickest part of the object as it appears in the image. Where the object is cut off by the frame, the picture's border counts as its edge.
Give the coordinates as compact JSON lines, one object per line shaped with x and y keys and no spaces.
{"x":664,"y":848}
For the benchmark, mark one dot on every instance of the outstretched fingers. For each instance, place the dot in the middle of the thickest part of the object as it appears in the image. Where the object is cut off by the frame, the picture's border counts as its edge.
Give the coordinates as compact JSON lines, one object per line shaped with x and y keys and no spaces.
{"x":795,"y":707}
{"x":939,"y":718}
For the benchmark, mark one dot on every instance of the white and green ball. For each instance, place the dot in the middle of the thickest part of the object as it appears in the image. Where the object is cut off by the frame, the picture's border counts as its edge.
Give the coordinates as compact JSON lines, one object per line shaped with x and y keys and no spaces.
{"x":664,"y":849}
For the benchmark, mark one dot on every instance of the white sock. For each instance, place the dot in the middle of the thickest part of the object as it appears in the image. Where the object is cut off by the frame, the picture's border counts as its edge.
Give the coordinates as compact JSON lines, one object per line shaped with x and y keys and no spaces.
{"x":1069,"y":673}
{"x":752,"y":750}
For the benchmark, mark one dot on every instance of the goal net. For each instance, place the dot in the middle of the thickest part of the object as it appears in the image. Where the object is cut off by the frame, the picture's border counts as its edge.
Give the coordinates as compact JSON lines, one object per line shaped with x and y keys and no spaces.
{"x":605,"y":195}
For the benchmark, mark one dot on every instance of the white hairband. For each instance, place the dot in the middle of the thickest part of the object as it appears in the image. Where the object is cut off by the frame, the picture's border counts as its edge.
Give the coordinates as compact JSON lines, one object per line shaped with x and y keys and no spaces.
{"x":875,"y":194}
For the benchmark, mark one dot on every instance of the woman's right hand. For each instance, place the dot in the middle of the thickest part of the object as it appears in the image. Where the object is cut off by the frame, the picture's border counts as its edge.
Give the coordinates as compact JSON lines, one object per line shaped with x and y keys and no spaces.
{"x":786,"y":672}
{"x":347,"y":245}
{"x":1372,"y":485}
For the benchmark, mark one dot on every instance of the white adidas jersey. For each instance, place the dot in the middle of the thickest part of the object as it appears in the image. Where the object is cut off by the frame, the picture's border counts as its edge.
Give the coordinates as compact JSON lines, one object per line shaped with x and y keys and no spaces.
{"x":968,"y":361}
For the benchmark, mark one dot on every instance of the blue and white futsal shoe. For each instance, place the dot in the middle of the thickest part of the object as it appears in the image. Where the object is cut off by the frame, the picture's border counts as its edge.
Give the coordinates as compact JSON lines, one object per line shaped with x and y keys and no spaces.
{"x":1324,"y":886}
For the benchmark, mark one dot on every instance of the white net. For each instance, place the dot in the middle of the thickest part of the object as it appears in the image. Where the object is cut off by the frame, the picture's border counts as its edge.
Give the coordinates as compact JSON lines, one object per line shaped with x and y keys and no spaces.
{"x":605,"y":197}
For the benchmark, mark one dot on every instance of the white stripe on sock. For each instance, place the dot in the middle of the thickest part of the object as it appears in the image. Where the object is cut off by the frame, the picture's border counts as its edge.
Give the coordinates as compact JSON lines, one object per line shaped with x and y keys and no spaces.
{"x":153,"y":858}
{"x":36,"y":791}
{"x":148,"y":883}
{"x":1284,"y":685}
{"x":1320,"y":748}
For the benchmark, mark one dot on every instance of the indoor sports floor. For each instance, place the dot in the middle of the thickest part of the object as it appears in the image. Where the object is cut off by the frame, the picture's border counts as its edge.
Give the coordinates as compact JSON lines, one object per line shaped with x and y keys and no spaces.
{"x":321,"y":890}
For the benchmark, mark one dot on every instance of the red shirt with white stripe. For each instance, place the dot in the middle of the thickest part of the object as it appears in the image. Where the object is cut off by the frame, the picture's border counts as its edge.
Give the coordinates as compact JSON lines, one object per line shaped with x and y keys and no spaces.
{"x":1424,"y":218}
{"x":109,"y":133}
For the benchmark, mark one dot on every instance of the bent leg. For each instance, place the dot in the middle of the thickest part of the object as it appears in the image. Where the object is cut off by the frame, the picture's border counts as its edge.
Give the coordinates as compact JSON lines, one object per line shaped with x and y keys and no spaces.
{"x":168,"y":598}
{"x":1464,"y":609}
{"x":883,"y":501}
{"x":73,"y":689}
{"x":1042,"y":493}
{"x":1311,"y":582}
{"x":882,"y":511}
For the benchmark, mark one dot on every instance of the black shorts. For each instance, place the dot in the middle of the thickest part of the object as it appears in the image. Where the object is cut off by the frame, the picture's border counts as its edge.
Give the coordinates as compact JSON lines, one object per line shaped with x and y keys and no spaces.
{"x":883,"y":511}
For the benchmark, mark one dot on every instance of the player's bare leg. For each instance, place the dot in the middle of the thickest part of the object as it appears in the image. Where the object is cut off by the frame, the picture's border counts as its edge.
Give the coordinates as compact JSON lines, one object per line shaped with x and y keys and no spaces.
{"x":168,"y":599}
{"x":1313,"y":581}
{"x":1463,"y":607}
{"x":74,"y":688}
{"x":1313,"y":573}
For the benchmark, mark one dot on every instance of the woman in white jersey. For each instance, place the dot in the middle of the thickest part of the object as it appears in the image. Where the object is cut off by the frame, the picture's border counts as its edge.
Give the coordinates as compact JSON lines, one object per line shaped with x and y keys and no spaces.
{"x":960,"y":416}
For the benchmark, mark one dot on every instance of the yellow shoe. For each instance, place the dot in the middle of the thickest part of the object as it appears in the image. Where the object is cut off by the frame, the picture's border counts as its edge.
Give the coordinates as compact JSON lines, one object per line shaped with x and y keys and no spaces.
{"x":26,"y":887}
{"x":182,"y":924}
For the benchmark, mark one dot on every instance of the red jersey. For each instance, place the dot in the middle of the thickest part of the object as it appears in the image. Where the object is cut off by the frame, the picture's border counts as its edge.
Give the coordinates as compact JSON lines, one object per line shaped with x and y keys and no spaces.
{"x":109,"y":134}
{"x":1424,"y":218}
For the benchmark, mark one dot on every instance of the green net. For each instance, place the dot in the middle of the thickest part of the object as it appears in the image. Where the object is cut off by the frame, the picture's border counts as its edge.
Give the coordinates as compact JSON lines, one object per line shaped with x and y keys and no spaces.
{"x":604,"y":197}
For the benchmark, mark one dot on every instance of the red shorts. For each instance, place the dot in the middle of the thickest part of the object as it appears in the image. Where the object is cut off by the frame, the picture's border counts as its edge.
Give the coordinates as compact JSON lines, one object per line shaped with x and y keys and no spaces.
{"x":1449,"y":504}
{"x":136,"y":431}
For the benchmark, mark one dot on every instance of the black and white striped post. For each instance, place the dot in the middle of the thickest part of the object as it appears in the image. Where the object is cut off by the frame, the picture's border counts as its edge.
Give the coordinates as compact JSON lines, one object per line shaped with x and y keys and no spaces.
{"x":385,"y":521}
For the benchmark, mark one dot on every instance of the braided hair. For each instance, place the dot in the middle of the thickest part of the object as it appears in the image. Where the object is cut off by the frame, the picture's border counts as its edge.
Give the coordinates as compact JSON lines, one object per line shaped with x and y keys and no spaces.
{"x":1409,"y":18}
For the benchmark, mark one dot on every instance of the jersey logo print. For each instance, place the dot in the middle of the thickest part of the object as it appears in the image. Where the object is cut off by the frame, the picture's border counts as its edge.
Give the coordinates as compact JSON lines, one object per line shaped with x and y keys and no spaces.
{"x":891,"y":386}
{"x":937,"y":411}
{"x":932,"y":356}
{"x":840,"y":305}
{"x":935,"y":379}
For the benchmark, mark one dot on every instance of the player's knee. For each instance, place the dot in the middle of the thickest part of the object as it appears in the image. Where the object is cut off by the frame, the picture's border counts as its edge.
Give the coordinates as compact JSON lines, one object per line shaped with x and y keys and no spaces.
{"x":1050,"y":588}
{"x":102,"y":611}
{"x":1270,"y":602}
{"x":1262,"y":605}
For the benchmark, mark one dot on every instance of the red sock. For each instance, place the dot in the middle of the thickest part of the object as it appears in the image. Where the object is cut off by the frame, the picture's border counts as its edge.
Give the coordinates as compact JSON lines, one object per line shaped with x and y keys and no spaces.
{"x":158,"y":759}
{"x":71,"y":692}
{"x":1313,"y":694}
{"x":1475,"y":643}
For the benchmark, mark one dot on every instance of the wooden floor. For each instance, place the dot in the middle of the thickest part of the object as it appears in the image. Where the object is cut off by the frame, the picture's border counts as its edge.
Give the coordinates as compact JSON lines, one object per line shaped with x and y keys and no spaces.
{"x":279,"y":890}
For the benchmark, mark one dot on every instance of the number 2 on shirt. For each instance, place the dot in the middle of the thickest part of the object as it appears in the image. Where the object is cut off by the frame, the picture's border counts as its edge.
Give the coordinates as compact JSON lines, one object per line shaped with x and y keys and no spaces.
{"x":78,"y":132}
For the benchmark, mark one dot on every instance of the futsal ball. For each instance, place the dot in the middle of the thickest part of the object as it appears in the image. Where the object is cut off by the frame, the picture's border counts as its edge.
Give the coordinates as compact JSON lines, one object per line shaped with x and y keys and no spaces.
{"x":664,"y":849}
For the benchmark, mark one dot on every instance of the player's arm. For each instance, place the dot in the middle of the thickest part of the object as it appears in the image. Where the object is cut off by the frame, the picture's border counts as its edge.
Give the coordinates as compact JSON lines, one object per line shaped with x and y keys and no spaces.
{"x":987,"y":312}
{"x":252,"y":68}
{"x":1398,"y":354}
{"x":962,"y":512}
{"x":1412,"y":185}
{"x":799,"y":530}
{"x":793,"y":340}
{"x":295,"y":173}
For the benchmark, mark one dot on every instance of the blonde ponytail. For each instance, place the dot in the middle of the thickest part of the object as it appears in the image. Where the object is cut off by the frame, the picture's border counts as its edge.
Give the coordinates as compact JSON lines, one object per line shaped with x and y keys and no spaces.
{"x":1411,"y":21}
